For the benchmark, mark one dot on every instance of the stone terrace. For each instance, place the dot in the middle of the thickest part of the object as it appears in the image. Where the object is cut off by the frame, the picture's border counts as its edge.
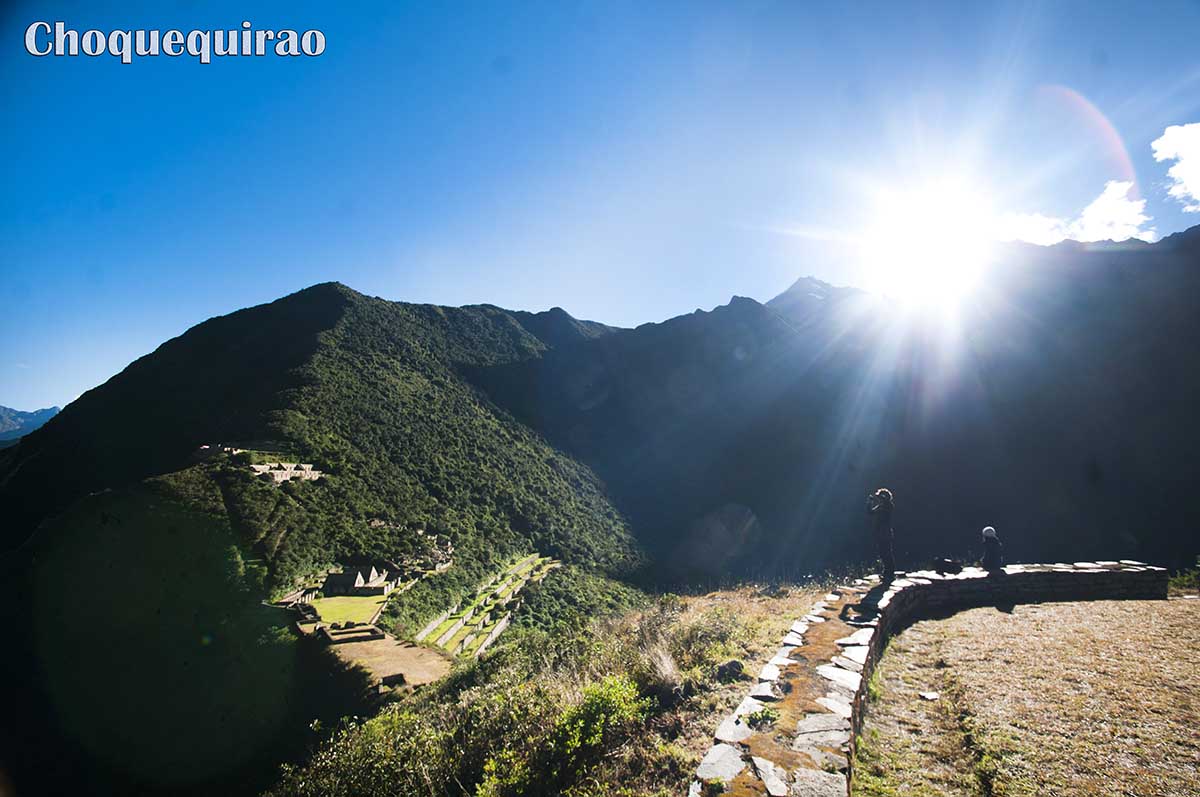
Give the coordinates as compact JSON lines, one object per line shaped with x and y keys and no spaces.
{"x":794,"y":733}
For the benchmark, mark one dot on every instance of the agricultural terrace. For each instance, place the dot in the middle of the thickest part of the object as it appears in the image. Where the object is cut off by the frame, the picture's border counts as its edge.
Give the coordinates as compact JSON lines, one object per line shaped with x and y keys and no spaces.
{"x":473,"y":626}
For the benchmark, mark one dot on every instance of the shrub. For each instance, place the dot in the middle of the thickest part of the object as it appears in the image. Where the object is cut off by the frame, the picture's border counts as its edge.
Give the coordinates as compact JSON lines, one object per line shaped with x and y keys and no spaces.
{"x":607,"y":712}
{"x":1187,"y":580}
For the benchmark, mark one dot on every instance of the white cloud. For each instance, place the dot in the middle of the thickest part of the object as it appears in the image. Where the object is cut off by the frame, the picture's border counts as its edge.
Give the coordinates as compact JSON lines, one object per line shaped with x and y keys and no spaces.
{"x":1181,"y":143}
{"x":1112,"y":216}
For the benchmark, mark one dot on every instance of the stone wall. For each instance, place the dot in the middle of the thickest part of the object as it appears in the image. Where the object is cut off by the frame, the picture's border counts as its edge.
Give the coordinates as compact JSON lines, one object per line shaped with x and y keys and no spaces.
{"x":435,"y":622}
{"x":816,"y":684}
{"x":286,"y":471}
{"x":496,"y":632}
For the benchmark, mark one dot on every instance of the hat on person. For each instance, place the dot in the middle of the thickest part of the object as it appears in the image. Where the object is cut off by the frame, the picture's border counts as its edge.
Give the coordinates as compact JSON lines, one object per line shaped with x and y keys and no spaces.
{"x":989,"y":532}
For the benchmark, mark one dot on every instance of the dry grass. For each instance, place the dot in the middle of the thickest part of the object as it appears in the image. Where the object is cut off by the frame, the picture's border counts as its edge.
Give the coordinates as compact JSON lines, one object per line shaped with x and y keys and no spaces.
{"x":743,"y":623}
{"x":761,"y":618}
{"x":1067,"y":699}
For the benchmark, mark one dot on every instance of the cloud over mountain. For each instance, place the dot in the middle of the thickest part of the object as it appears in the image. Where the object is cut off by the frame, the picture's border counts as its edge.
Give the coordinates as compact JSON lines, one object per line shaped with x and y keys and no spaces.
{"x":1115,"y":215}
{"x":1181,"y":143}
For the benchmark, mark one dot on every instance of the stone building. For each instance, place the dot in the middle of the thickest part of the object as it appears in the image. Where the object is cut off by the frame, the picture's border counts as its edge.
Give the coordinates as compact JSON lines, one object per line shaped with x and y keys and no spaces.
{"x":375,"y":579}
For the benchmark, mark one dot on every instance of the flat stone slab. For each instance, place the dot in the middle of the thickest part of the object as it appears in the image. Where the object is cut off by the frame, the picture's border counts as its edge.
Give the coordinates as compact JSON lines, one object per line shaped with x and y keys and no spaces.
{"x":812,"y":618}
{"x":793,"y":638}
{"x":769,"y":672}
{"x":844,"y":692}
{"x":732,"y":730}
{"x":832,"y":738}
{"x":825,"y":759}
{"x":799,"y":627}
{"x":748,"y":706}
{"x":860,"y":637}
{"x":835,"y":703}
{"x":812,"y":723}
{"x":765,"y":690}
{"x":771,"y":776}
{"x":847,"y":664}
{"x":856,"y":653}
{"x":817,"y":783}
{"x":929,"y":695}
{"x":722,"y":762}
{"x":782,"y":657}
{"x":871,"y":623}
{"x":845,"y":678}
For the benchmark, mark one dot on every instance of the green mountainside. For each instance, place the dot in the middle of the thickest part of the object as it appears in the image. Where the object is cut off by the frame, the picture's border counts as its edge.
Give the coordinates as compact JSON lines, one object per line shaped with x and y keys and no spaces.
{"x":370,"y":391}
{"x":138,"y":559}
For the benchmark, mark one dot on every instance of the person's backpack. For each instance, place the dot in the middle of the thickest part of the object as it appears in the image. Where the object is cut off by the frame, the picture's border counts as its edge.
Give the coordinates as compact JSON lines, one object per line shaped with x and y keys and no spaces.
{"x":947,"y":566}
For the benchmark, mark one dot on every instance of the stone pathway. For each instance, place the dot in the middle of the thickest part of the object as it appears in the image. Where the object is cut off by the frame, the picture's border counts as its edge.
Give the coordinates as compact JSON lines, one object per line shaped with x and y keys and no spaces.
{"x":793,"y":734}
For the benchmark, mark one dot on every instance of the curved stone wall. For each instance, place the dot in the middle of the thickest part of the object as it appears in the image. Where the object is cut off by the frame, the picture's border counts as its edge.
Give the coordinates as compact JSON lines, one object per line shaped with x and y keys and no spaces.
{"x":795,"y":732}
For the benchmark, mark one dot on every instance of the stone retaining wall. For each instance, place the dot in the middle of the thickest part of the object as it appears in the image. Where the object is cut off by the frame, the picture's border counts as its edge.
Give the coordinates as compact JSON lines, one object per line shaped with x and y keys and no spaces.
{"x":435,"y":622}
{"x":496,"y":632}
{"x":795,"y":733}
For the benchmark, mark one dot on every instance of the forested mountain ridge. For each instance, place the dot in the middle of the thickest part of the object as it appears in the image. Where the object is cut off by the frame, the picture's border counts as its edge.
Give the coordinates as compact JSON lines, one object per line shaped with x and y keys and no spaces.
{"x":1053,"y":404}
{"x":1056,"y":404}
{"x":365,"y":388}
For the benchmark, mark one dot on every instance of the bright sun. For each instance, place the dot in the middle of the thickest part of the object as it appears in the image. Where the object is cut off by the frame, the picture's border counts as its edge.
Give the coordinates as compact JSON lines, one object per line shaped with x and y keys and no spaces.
{"x":930,"y":245}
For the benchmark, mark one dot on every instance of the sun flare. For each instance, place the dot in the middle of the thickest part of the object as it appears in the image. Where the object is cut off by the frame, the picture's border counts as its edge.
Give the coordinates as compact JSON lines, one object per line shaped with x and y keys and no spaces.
{"x":929,"y":245}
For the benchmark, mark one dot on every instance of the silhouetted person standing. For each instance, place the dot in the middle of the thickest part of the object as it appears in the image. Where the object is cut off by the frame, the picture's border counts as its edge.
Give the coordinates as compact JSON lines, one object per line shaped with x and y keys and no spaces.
{"x":993,"y":559}
{"x":879,"y":505}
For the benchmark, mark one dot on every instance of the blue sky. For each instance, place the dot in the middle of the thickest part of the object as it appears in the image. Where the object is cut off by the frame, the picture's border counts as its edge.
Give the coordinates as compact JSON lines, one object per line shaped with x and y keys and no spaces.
{"x":626,"y":161}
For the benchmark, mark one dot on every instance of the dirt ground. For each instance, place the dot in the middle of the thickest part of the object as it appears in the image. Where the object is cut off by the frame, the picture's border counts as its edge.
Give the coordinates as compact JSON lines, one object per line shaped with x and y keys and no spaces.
{"x":388,"y":656}
{"x":1065,"y":699}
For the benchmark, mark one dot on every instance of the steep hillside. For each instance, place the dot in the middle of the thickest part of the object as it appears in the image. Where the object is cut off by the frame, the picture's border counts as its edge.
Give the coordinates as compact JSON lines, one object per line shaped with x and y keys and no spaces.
{"x":369,"y":391}
{"x":1055,"y":405}
{"x":140,"y":558}
{"x":222,"y":380}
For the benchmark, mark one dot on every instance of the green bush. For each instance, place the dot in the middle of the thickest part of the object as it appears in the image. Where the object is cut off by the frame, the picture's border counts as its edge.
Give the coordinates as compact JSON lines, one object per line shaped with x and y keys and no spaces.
{"x":607,"y":713}
{"x":1186,"y":581}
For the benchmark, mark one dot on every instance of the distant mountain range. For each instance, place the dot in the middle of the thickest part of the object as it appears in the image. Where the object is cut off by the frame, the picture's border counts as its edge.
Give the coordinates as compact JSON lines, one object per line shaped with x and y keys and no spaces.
{"x":15,"y":423}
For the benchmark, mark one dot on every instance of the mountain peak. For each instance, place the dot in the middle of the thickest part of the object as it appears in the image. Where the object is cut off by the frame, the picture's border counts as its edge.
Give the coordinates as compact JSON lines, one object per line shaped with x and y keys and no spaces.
{"x":806,"y":296}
